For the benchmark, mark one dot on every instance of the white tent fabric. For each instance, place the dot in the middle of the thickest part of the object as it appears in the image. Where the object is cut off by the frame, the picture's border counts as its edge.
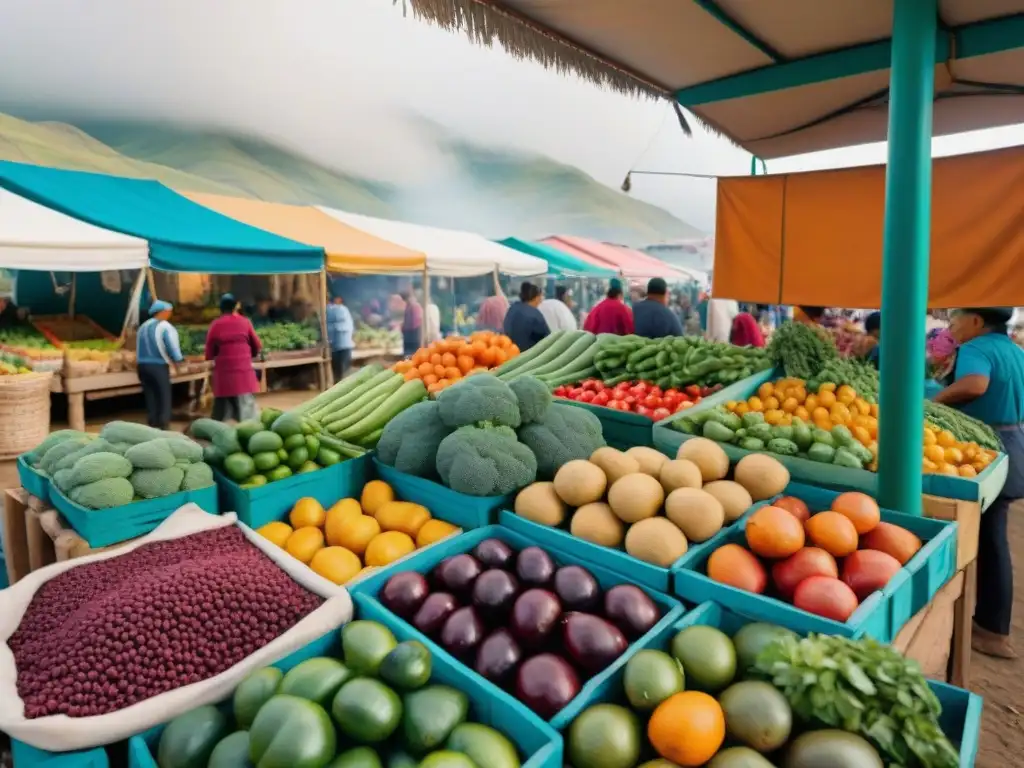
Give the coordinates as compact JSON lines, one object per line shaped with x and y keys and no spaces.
{"x":449,"y":252}
{"x":33,"y":236}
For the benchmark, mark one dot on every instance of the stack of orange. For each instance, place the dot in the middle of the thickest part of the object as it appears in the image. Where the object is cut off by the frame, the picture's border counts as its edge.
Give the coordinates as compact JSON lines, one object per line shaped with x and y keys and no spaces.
{"x":447,"y":361}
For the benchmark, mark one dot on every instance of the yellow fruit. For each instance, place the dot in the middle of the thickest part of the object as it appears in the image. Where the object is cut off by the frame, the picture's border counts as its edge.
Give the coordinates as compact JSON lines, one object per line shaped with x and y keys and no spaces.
{"x":773,"y":416}
{"x":307,"y":512}
{"x":820,"y":414}
{"x":304,"y":543}
{"x":771,"y":404}
{"x":828,"y":386}
{"x":863,"y":408}
{"x":433,"y":530}
{"x":336,"y":564}
{"x":402,"y":516}
{"x":862,"y":435}
{"x":826,"y":398}
{"x":801,"y":413}
{"x":945,"y":439}
{"x":275,"y":532}
{"x":811,"y":402}
{"x":741,"y":408}
{"x":388,"y":547}
{"x":376,"y":494}
{"x":954,"y":456}
{"x":765,"y":390}
{"x":840,"y":414}
{"x":846,"y":394}
{"x":928,"y":466}
{"x":356,"y":532}
{"x":336,"y":517}
{"x":790,"y":404}
{"x":731,"y":406}
{"x":874,"y":410}
{"x":967,"y":471}
{"x":755,"y":404}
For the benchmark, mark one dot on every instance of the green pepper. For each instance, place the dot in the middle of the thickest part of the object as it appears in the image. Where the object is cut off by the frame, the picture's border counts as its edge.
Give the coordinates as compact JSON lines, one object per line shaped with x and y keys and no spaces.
{"x":750,"y":418}
{"x":761,"y":431}
{"x":802,"y":434}
{"x":782,"y":447}
{"x":714,"y":430}
{"x":751,"y":444}
{"x":845,"y":458}
{"x":824,"y":437}
{"x":821,"y":453}
{"x":842,"y":436}
{"x":782,"y":432}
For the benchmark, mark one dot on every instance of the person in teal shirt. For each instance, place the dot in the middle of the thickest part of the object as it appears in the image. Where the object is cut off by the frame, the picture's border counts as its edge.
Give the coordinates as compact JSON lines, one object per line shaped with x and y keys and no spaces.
{"x":989,"y":385}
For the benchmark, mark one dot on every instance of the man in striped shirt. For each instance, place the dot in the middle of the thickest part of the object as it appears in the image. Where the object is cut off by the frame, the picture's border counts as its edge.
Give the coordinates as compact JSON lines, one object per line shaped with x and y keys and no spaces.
{"x":157,"y":351}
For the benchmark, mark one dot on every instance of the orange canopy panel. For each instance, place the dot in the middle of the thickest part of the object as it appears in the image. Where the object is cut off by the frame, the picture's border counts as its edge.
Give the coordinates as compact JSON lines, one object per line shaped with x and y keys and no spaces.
{"x":816,"y":238}
{"x":347,"y":249}
{"x":627,"y":261}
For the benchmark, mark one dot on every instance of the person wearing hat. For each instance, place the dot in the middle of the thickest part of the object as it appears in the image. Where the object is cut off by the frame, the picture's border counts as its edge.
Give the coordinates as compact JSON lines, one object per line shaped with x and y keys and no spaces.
{"x":157,"y":350}
{"x":610,"y":315}
{"x":232,"y":343}
{"x":651,"y":317}
{"x":989,"y":385}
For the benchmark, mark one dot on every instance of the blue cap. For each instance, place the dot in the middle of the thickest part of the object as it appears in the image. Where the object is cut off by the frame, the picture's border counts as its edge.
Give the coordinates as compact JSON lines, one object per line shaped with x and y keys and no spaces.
{"x":160,"y":306}
{"x":228,"y":297}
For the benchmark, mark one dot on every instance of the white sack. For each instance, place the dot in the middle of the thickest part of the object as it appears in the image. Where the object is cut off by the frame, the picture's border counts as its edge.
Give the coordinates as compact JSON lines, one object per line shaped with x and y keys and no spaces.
{"x":60,"y":733}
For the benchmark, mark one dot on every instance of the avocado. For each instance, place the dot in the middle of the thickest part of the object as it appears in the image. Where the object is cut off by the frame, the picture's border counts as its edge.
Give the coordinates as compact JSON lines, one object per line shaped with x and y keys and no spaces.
{"x":316,"y":679}
{"x":253,"y":692}
{"x":366,"y":710}
{"x":739,"y":757}
{"x":604,"y":736}
{"x":757,"y":714}
{"x":360,"y":757}
{"x":365,"y":644}
{"x":239,"y":466}
{"x":246,"y":429}
{"x":708,"y":657}
{"x":831,"y":749}
{"x":407,"y":666}
{"x":431,"y":715}
{"x":752,"y":638}
{"x":483,"y":745}
{"x":264,"y":441}
{"x":231,"y":752}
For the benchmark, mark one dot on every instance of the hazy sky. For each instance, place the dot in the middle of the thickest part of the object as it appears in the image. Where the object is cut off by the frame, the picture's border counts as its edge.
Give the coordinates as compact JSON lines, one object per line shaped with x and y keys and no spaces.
{"x":333,"y":78}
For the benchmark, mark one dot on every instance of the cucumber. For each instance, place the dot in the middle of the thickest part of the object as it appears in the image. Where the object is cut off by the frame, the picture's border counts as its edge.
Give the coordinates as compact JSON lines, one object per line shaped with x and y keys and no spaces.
{"x":346,"y":385}
{"x":566,"y":359}
{"x":353,"y":395}
{"x":410,"y":393}
{"x":393,"y":382}
{"x":351,"y":417}
{"x":535,"y":352}
{"x":551,"y":354}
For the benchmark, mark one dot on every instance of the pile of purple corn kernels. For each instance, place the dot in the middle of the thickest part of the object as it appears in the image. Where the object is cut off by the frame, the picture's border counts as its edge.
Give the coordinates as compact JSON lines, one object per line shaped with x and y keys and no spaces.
{"x":106,"y":635}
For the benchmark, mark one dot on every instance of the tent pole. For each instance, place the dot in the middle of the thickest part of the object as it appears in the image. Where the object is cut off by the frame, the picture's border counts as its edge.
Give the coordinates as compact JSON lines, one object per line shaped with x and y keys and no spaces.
{"x":905,"y":255}
{"x":71,"y":296}
{"x":151,"y":283}
{"x":497,"y":282}
{"x":133,"y":306}
{"x":326,"y":371}
{"x":426,"y":306}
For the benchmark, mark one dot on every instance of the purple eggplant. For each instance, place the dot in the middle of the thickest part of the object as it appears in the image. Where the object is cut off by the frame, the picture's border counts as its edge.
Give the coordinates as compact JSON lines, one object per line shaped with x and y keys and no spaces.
{"x":404,"y":593}
{"x":591,"y":642}
{"x":534,"y":567}
{"x":457,"y":573}
{"x":462,"y":632}
{"x":434,"y":612}
{"x":494,"y":592}
{"x":546,"y":683}
{"x":631,"y":610}
{"x":498,"y":657}
{"x":535,"y":615}
{"x":494,"y":553}
{"x":577,"y":588}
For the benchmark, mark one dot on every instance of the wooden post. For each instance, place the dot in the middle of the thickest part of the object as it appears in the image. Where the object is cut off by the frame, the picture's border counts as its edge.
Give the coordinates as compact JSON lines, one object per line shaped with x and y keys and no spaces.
{"x":326,"y":371}
{"x":151,"y":282}
{"x":426,"y":304}
{"x":497,"y":282}
{"x":71,"y":296}
{"x":136,"y":294}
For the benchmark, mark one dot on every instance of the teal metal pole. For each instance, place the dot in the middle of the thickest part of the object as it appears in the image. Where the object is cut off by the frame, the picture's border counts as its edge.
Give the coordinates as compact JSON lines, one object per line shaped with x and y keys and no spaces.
{"x":905,"y":254}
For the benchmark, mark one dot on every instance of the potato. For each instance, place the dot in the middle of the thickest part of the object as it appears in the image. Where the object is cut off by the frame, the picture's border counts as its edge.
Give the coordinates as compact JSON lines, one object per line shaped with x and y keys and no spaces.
{"x":636,"y":497}
{"x":580,"y":482}
{"x":597,"y":524}
{"x":762,"y":476}
{"x":656,"y":540}
{"x":735,"y":499}
{"x":680,"y":473}
{"x":706,"y":454}
{"x":698,"y":514}
{"x":649,"y":459}
{"x":539,"y":503}
{"x":615,"y":463}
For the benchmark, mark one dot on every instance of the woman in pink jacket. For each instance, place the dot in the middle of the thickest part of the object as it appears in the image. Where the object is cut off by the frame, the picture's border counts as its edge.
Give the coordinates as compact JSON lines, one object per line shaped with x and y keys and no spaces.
{"x":232,"y":343}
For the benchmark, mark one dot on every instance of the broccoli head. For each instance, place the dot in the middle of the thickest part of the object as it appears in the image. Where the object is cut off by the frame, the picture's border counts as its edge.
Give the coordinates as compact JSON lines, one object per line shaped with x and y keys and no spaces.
{"x":479,"y":399}
{"x":564,"y":434}
{"x":410,"y":440}
{"x":533,"y":396}
{"x":485,"y":462}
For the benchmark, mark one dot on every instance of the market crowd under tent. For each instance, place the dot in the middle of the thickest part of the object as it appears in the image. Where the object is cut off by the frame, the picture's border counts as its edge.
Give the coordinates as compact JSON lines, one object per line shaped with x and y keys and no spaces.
{"x":625,"y":261}
{"x":560,"y":263}
{"x":779,"y":238}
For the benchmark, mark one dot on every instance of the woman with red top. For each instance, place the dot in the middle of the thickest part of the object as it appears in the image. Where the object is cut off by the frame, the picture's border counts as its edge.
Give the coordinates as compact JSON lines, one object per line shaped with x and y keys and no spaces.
{"x":745,"y":331}
{"x":232,"y":343}
{"x":610,"y":315}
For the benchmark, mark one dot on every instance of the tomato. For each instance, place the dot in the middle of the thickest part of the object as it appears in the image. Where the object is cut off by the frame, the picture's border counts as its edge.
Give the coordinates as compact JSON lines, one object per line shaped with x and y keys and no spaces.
{"x":618,"y":405}
{"x":590,"y":385}
{"x":602,"y":397}
{"x":623,"y":386}
{"x":652,"y":401}
{"x":559,"y":391}
{"x":683,"y":406}
{"x":629,"y":400}
{"x":654,"y":390}
{"x":588,"y":396}
{"x":644,"y":411}
{"x":697,"y":400}
{"x":661,"y":413}
{"x":672,"y":392}
{"x":575,"y":393}
{"x":693,"y":390}
{"x":638,"y":390}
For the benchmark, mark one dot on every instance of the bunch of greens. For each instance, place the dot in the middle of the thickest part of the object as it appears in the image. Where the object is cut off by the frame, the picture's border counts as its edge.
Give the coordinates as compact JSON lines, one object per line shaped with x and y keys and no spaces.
{"x":279,"y":337}
{"x":860,"y":375}
{"x":962,"y":426}
{"x":192,"y":340}
{"x":801,"y":350}
{"x":863,"y":687}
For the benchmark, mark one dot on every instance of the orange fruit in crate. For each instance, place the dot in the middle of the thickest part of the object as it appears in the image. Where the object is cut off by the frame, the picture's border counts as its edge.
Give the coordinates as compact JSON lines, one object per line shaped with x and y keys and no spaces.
{"x":376,"y":494}
{"x":893,"y":540}
{"x":356,"y":532}
{"x":774,"y":532}
{"x":687,"y":728}
{"x":834,"y":532}
{"x":860,"y":508}
{"x":336,"y":564}
{"x":276,"y":532}
{"x":387,"y":547}
{"x":307,"y":512}
{"x":733,"y":565}
{"x":432,"y":531}
{"x":304,"y":543}
{"x":404,"y":516}
{"x":336,"y":517}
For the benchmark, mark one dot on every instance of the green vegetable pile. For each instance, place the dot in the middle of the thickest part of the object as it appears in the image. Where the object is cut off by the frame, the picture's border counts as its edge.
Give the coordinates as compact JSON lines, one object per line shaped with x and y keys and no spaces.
{"x":255,"y":453}
{"x":375,"y":706}
{"x":860,"y":375}
{"x":864,"y":687}
{"x":192,"y":340}
{"x":25,"y":336}
{"x":750,"y":432}
{"x":483,"y":437}
{"x":801,"y":351}
{"x":126,"y":462}
{"x":281,"y":337}
{"x":676,"y":361}
{"x":560,"y":358}
{"x":97,"y":345}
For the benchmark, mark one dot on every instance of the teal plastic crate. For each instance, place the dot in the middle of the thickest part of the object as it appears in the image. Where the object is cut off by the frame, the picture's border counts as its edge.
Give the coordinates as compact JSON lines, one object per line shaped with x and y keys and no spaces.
{"x":102,"y":527}
{"x":425,"y":560}
{"x":258,"y":506}
{"x":32,"y":481}
{"x":621,"y":429}
{"x":617,"y":560}
{"x":467,"y":512}
{"x":29,"y":757}
{"x":536,"y":741}
{"x":984,"y":488}
{"x":880,"y":616}
{"x":961,"y":710}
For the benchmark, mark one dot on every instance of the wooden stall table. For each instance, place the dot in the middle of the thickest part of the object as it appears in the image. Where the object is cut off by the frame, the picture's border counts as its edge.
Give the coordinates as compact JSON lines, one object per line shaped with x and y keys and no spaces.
{"x":294,"y":359}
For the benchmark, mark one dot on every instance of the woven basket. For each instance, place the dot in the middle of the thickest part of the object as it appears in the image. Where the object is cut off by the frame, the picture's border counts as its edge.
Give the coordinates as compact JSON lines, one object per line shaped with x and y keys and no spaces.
{"x":76,"y":368}
{"x":24,"y":412}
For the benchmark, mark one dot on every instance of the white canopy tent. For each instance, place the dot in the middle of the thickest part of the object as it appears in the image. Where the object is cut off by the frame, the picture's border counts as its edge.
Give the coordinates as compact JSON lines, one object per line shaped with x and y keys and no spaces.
{"x":449,"y":252}
{"x":35,"y":237}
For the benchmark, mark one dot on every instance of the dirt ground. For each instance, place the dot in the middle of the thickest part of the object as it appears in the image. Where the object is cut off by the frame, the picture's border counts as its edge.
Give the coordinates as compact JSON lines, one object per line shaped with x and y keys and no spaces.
{"x":1000,"y":682}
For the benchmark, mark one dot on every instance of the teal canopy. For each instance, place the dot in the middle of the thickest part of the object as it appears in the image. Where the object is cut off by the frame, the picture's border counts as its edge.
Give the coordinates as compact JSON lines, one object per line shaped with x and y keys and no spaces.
{"x":560,"y":264}
{"x":183,"y":236}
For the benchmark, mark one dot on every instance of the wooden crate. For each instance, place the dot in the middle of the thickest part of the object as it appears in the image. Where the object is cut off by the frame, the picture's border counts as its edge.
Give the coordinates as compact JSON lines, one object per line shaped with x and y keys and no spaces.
{"x":967,"y":514}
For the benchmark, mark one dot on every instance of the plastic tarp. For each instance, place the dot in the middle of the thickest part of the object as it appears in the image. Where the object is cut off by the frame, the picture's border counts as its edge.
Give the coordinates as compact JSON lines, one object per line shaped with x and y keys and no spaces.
{"x":183,"y":236}
{"x":346,"y":249}
{"x":38,"y":238}
{"x":629,"y":263}
{"x":560,"y":264}
{"x":450,"y":253}
{"x":816,"y":237}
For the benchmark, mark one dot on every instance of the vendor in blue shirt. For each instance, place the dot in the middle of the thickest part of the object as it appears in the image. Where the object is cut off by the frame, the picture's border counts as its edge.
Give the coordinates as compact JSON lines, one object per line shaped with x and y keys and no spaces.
{"x":652,"y":318}
{"x":989,"y":385}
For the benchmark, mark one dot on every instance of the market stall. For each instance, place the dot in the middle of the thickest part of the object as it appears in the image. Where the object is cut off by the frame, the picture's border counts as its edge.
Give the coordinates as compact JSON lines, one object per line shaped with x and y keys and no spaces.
{"x":631,"y":264}
{"x":591,"y":278}
{"x":181,"y":235}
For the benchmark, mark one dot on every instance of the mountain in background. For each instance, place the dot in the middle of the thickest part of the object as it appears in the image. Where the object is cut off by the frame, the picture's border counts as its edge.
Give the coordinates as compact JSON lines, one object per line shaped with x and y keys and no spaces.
{"x":491,"y":191}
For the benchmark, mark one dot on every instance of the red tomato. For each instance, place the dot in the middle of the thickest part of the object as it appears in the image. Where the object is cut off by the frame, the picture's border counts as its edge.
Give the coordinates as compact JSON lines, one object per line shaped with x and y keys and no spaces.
{"x":618,"y":405}
{"x":599,"y":386}
{"x":602,"y":397}
{"x":623,"y":386}
{"x":587,"y":397}
{"x":638,"y":390}
{"x":560,"y":391}
{"x":693,"y":390}
{"x":655,"y":390}
{"x":643,"y":411}
{"x":591,"y":385}
{"x":697,"y":400}
{"x":652,"y":401}
{"x":661,"y":413}
{"x":629,"y":400}
{"x":575,"y":393}
{"x":672,"y":392}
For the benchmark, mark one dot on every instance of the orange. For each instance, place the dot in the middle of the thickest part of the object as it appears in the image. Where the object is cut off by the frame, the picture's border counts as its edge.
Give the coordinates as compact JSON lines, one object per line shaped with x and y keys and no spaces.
{"x":826,"y":399}
{"x":307,"y":511}
{"x":733,"y":565}
{"x":465,"y":363}
{"x":275,"y":532}
{"x":336,"y":517}
{"x":774,"y":532}
{"x":765,"y":390}
{"x":434,"y":530}
{"x":304,"y":543}
{"x":834,"y":532}
{"x":336,"y":564}
{"x":404,"y":516}
{"x":356,"y":532}
{"x":385,"y":548}
{"x":376,"y":494}
{"x":846,"y":394}
{"x":860,"y":508}
{"x":967,"y":471}
{"x":755,"y":404}
{"x":687,"y":728}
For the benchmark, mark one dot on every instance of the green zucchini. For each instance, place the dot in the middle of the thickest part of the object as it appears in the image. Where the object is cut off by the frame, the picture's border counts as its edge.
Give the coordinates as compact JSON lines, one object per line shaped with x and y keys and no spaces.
{"x":531,"y":354}
{"x":350,"y":417}
{"x":352,"y":396}
{"x":391,"y":384}
{"x":346,"y":449}
{"x":567,"y":359}
{"x":410,"y":393}
{"x":346,"y":385}
{"x":551,"y":350}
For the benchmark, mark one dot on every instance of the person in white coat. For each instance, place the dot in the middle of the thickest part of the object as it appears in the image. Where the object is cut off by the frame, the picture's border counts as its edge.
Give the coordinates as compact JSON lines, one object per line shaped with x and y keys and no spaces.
{"x":558,"y":311}
{"x":721,"y":313}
